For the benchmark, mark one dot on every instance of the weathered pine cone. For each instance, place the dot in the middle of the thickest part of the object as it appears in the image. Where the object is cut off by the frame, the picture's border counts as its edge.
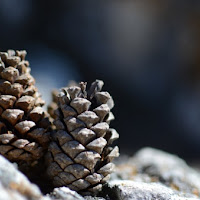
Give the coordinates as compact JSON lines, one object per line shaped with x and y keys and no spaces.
{"x":23,"y":122}
{"x":54,"y":103}
{"x":80,"y":155}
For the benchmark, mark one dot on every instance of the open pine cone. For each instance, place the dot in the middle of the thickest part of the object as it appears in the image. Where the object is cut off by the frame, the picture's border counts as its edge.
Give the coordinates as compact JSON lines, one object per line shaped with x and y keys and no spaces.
{"x":80,"y":155}
{"x":23,"y":122}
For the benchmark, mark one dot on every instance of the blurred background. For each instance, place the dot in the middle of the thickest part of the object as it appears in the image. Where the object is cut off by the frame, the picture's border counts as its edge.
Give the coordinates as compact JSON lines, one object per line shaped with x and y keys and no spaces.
{"x":147,"y":52}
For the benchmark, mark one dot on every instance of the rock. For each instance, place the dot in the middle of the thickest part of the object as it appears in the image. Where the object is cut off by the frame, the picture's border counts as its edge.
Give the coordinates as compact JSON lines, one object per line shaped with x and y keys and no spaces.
{"x":168,"y":169}
{"x":14,"y":185}
{"x":64,"y":193}
{"x":7,"y":194}
{"x":95,"y":198}
{"x":131,"y":190}
{"x":149,"y":175}
{"x":152,"y":165}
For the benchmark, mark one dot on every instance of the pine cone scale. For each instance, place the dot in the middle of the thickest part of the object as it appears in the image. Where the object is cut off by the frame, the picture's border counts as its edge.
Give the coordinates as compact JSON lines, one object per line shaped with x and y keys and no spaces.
{"x":7,"y":101}
{"x":12,"y":115}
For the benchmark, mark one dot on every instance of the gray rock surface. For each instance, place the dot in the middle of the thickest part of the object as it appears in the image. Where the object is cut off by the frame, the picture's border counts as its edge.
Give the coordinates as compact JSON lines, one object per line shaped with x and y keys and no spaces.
{"x":154,"y":166}
{"x":149,"y":175}
{"x":168,"y":169}
{"x":96,"y":198}
{"x":64,"y":193}
{"x":8,"y":194}
{"x":14,"y":185}
{"x":131,"y":190}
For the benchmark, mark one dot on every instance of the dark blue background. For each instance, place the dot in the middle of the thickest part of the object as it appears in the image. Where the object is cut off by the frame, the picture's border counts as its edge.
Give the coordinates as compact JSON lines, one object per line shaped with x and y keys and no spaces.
{"x":147,"y":53}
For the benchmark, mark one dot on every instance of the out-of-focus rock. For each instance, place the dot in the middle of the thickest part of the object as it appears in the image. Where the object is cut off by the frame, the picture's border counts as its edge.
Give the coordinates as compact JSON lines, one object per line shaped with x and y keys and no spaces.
{"x":131,"y":190}
{"x":150,"y":174}
{"x":168,"y":169}
{"x":14,"y":185}
{"x":64,"y":193}
{"x":151,"y":165}
{"x":7,"y":194}
{"x":95,"y":198}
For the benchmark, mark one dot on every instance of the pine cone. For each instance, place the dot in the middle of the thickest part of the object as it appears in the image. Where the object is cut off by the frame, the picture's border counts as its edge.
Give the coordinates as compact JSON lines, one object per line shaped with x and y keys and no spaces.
{"x":80,"y":155}
{"x":54,"y":104}
{"x":23,"y":122}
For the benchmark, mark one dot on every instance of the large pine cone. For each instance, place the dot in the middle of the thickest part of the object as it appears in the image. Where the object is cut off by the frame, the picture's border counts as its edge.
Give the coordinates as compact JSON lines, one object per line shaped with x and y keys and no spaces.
{"x":80,"y":155}
{"x":23,"y":122}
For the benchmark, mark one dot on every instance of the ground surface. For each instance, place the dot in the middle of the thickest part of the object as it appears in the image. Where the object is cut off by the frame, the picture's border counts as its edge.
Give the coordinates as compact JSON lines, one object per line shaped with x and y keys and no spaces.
{"x":149,"y":175}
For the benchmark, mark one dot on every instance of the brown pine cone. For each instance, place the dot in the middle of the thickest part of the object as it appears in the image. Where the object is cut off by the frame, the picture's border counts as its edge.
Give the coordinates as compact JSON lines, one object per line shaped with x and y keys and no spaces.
{"x":23,"y":122}
{"x":54,"y":104}
{"x":80,"y":155}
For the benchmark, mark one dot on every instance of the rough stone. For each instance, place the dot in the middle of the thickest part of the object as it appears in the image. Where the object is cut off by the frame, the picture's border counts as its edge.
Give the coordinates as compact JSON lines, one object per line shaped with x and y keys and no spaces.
{"x":14,"y":185}
{"x":64,"y":193}
{"x":95,"y":198}
{"x":131,"y":190}
{"x":154,"y":166}
{"x":149,"y":175}
{"x":7,"y":194}
{"x":168,"y":169}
